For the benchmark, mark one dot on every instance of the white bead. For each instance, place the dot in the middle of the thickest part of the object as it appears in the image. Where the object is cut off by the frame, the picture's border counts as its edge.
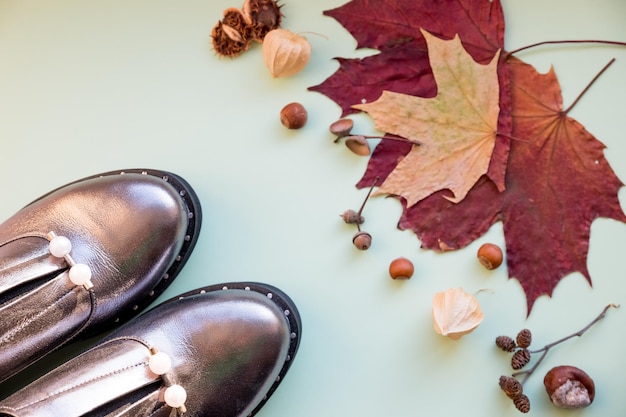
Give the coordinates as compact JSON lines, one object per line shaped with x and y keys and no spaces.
{"x":80,"y":274}
{"x":60,"y":246}
{"x":175,"y":396}
{"x":160,"y":363}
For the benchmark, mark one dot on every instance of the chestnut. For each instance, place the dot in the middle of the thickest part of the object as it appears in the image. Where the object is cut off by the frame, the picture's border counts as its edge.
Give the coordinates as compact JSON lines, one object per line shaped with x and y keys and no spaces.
{"x":569,"y":387}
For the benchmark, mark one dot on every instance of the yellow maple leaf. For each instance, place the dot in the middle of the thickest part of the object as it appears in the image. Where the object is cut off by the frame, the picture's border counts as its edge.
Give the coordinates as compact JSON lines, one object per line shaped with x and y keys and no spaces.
{"x":453,"y":133}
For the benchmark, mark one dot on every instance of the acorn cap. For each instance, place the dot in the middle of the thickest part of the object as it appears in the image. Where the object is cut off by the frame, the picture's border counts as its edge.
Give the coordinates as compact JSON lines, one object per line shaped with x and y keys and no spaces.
{"x":341,"y":127}
{"x":358,"y":145}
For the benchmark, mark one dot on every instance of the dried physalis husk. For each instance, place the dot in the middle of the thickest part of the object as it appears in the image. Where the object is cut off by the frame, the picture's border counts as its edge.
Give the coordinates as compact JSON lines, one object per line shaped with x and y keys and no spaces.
{"x":233,"y":34}
{"x":456,"y":313}
{"x":285,"y":53}
{"x":264,"y":16}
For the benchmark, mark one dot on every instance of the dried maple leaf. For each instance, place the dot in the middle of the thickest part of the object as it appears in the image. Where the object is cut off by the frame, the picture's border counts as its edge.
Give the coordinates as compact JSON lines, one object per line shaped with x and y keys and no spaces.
{"x":455,"y":131}
{"x":394,"y":28}
{"x":558,"y":182}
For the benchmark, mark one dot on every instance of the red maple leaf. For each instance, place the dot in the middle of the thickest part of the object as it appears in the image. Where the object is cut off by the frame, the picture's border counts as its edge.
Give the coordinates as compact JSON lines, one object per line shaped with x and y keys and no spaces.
{"x":394,"y":28}
{"x":557,"y":183}
{"x":557,"y":180}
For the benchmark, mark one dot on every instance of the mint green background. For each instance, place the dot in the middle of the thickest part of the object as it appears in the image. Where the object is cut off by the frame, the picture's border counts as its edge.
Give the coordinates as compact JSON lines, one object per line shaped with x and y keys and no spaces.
{"x":91,"y":86}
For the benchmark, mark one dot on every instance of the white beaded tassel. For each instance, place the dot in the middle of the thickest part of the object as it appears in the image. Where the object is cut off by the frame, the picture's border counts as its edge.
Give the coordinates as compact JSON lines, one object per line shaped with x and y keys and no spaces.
{"x":60,"y":247}
{"x":174,"y":395}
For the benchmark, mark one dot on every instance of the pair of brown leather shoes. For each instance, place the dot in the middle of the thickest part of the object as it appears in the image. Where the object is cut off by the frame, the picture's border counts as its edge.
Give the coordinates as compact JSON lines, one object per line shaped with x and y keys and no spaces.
{"x":90,"y":256}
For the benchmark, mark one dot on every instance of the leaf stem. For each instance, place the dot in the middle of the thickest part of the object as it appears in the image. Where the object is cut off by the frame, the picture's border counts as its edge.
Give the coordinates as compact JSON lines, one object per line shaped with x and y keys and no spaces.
{"x":589,"y":86}
{"x":523,"y":48}
{"x":527,"y":373}
{"x":398,"y":138}
{"x":368,"y":196}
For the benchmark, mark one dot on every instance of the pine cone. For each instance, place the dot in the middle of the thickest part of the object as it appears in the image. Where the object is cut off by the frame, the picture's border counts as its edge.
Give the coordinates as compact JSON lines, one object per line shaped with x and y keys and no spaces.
{"x":524,"y":338}
{"x":522,"y":403}
{"x":505,"y":343}
{"x":511,"y":386}
{"x":520,"y":359}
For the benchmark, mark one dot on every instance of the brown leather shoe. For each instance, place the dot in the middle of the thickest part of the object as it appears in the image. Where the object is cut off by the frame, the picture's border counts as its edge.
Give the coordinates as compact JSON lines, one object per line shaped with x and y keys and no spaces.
{"x":218,"y":351}
{"x":88,"y":256}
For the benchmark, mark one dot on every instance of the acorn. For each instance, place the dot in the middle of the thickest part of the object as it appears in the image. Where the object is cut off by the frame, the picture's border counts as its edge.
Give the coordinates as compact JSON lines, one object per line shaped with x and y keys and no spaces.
{"x":352,"y":217}
{"x":362,"y":240}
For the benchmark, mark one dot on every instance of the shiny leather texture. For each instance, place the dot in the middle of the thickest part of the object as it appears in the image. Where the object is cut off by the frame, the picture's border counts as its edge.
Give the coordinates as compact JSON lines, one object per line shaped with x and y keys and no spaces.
{"x":135,"y":229}
{"x":230,"y":346}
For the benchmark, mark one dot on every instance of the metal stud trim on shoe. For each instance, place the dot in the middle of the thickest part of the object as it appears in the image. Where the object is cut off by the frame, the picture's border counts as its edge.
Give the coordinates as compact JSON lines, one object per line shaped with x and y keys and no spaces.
{"x":60,"y":247}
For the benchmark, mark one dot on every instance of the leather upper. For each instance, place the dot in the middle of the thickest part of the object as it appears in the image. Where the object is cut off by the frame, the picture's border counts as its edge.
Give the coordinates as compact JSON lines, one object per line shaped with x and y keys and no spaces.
{"x":129,"y":229}
{"x":228,"y":348}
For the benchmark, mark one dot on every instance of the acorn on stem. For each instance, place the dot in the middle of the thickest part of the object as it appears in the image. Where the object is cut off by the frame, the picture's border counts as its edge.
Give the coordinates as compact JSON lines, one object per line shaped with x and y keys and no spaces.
{"x":361,"y":240}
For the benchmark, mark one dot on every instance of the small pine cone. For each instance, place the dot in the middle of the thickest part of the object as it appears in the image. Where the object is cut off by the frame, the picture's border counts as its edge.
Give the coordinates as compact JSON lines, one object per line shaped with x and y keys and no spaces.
{"x":520,"y":359}
{"x":511,"y":386}
{"x":505,"y":343}
{"x":522,"y":403}
{"x":524,"y":338}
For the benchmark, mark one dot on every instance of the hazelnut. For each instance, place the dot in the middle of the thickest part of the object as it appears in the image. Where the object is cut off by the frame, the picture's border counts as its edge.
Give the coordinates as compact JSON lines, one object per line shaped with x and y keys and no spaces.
{"x":490,"y":256}
{"x":401,"y":268}
{"x":362,"y":240}
{"x":569,"y":387}
{"x":293,"y":116}
{"x":341,"y":127}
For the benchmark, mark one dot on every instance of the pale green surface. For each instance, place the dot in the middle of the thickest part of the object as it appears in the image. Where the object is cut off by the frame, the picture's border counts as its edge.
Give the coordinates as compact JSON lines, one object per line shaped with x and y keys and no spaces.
{"x":90,"y":86}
